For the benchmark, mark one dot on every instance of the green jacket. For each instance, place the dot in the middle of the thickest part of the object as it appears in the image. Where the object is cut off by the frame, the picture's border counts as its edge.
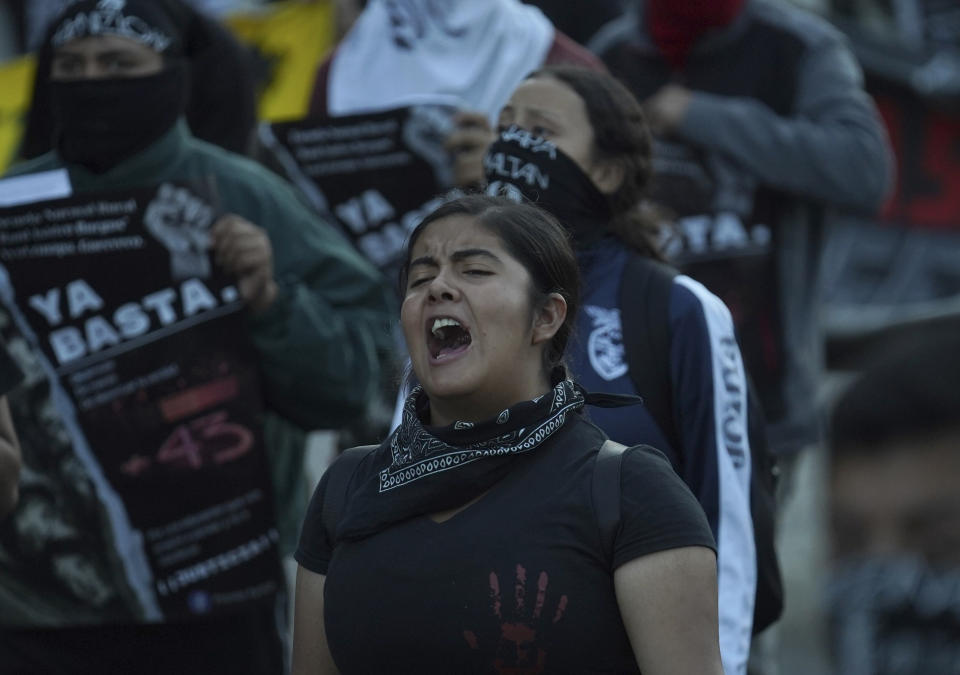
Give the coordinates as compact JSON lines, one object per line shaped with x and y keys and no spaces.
{"x":323,"y":341}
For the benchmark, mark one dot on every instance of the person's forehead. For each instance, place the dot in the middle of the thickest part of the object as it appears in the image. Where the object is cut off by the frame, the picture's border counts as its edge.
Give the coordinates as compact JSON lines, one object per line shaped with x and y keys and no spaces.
{"x":545,"y":94}
{"x":97,"y":44}
{"x":447,"y":235}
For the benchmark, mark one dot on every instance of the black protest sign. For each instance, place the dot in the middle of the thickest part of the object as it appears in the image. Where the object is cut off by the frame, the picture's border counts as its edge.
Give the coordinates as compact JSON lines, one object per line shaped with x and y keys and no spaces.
{"x":379,"y":174}
{"x":144,"y":344}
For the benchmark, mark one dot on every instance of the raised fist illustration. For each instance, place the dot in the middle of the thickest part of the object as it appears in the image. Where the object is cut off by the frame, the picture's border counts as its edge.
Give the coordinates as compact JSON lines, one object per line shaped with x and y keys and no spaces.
{"x":181,"y":222}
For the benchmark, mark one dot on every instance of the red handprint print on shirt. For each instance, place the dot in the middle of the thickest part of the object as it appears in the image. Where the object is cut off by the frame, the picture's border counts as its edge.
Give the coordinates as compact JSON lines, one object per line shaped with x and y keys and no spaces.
{"x":521,"y":646}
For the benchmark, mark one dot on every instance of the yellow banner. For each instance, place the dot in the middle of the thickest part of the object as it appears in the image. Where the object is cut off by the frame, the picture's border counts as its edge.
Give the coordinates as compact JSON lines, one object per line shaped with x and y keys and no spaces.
{"x":293,"y":37}
{"x":16,"y":83}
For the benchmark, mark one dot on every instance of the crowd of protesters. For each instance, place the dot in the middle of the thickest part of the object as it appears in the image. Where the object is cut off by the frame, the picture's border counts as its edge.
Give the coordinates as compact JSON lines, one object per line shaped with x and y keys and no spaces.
{"x":628,"y":254}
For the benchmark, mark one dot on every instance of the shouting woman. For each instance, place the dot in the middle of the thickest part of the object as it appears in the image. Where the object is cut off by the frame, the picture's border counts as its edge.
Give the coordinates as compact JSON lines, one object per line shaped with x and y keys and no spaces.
{"x":469,"y":541}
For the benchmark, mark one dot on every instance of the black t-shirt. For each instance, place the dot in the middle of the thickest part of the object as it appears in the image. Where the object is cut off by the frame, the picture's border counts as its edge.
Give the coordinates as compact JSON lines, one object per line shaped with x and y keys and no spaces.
{"x":514,"y":583}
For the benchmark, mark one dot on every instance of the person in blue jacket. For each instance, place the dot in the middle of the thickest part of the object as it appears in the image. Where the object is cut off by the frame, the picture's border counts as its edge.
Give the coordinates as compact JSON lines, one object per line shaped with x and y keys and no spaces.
{"x":576,"y":143}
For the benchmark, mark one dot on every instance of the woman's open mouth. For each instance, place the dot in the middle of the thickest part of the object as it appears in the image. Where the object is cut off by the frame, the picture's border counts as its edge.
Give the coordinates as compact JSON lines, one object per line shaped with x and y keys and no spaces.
{"x":446,"y":337}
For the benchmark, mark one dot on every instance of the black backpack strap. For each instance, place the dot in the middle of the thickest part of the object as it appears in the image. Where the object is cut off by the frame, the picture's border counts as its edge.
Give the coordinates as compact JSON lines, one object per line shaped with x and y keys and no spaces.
{"x":645,"y":321}
{"x":338,"y":483}
{"x":606,"y":495}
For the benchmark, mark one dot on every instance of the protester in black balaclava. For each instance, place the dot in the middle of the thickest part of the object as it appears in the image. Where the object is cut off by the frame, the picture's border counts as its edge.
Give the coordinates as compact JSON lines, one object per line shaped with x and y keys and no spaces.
{"x":208,"y":77}
{"x":118,"y":80}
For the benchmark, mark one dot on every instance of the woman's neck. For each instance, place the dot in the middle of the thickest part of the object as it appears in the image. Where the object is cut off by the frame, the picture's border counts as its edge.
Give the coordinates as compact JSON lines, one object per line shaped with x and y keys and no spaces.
{"x":477,"y":408}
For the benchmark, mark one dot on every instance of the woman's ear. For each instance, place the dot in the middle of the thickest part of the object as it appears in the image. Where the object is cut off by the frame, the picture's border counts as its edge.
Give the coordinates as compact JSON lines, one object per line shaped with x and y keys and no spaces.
{"x":549,"y":319}
{"x":607,"y":175}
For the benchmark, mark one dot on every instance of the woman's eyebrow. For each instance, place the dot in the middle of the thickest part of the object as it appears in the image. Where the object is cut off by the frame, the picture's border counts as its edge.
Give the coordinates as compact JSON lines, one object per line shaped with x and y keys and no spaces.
{"x":459,"y":256}
{"x":544,"y":115}
{"x":456,"y":256}
{"x":428,"y":260}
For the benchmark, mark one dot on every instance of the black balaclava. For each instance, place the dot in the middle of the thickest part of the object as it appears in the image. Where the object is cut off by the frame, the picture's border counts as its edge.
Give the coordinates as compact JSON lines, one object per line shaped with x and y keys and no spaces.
{"x":221,"y":107}
{"x":102,"y":122}
{"x":522,"y":166}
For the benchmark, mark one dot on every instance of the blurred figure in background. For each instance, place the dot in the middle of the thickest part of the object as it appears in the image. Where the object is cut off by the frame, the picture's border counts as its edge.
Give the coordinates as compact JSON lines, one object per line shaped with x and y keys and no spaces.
{"x":580,"y":20}
{"x":220,"y":108}
{"x":895,"y":511}
{"x":469,"y":54}
{"x":761,"y":124}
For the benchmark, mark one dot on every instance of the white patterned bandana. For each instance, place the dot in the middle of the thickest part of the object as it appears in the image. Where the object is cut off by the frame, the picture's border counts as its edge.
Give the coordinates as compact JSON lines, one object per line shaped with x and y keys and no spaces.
{"x":143,"y":21}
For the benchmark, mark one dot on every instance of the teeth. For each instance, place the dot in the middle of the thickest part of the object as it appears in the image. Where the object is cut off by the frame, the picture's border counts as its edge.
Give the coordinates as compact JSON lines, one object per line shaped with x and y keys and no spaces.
{"x":443,"y":323}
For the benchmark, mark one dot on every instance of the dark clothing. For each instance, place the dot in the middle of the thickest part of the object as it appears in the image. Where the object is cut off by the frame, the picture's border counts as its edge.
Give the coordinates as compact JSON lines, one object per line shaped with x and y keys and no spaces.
{"x":579,"y":20}
{"x":778,"y":126}
{"x":515,"y":582}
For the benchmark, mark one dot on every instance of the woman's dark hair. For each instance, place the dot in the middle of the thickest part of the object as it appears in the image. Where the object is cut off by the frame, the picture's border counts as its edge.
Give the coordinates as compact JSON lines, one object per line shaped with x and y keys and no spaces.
{"x":536,"y":240}
{"x":620,"y":135}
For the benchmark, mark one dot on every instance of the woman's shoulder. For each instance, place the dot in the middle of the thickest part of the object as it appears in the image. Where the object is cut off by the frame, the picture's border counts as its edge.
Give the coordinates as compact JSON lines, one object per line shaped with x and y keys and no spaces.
{"x":345,"y":465}
{"x":657,"y":509}
{"x":646,"y":462}
{"x":650,"y":485}
{"x":333,"y":489}
{"x":581,"y":435}
{"x":317,"y":536}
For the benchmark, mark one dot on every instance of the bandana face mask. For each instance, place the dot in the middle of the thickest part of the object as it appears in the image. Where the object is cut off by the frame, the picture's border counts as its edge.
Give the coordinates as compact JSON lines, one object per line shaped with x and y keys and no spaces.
{"x":522,"y":166}
{"x":895,"y":616}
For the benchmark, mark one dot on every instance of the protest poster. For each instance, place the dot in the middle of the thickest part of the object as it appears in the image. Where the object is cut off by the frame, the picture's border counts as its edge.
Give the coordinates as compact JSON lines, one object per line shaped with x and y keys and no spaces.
{"x":378,"y":174}
{"x":143,"y":343}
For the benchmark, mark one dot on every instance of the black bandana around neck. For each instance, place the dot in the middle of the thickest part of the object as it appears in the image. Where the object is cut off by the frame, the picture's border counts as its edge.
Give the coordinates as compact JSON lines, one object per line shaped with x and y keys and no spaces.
{"x":423,"y":469}
{"x":100,"y":123}
{"x":522,"y":166}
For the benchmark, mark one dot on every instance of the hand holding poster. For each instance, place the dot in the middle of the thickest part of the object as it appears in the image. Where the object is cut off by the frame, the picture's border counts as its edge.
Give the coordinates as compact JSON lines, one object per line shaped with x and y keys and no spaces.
{"x":144,"y":346}
{"x":379,"y":174}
